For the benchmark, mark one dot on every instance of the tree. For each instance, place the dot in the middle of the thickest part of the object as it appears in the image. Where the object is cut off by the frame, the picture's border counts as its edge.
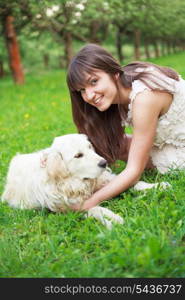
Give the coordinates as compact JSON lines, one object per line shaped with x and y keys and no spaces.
{"x":128,"y":17}
{"x":73,"y":20}
{"x":13,"y":50}
{"x":59,"y":17}
{"x":9,"y":33}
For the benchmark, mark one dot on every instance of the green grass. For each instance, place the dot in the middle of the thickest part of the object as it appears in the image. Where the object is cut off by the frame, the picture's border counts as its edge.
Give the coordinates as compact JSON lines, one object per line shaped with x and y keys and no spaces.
{"x":44,"y":244}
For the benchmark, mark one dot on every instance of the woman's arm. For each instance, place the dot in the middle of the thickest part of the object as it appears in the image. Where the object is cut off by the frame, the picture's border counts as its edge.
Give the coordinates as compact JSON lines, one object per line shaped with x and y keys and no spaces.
{"x":146,"y":110}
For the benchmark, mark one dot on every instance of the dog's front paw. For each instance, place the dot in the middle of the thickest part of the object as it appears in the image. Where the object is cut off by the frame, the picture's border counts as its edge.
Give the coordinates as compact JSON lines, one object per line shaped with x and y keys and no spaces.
{"x":117,"y":219}
{"x":105,"y":216}
{"x":142,"y":185}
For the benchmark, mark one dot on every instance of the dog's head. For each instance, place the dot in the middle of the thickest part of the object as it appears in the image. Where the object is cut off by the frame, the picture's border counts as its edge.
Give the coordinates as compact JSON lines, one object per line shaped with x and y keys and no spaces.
{"x":74,"y":155}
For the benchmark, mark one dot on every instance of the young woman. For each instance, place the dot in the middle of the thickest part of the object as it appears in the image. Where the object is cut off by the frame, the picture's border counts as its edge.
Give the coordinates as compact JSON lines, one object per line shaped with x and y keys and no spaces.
{"x":107,"y":97}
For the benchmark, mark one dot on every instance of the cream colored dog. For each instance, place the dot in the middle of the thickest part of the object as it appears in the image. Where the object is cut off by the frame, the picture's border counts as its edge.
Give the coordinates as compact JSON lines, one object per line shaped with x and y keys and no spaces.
{"x":67,"y":173}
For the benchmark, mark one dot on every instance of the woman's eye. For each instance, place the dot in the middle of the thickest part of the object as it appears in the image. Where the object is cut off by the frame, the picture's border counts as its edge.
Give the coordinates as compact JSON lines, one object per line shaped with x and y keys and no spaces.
{"x":94,"y":81}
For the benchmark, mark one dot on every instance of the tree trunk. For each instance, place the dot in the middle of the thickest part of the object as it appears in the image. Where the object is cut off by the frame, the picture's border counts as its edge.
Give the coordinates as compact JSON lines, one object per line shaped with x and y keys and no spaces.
{"x":137,"y":41}
{"x":68,"y":49}
{"x":46,"y":60}
{"x":94,"y":29}
{"x":13,"y":50}
{"x":147,"y":51}
{"x":119,"y":45}
{"x":174,"y":47}
{"x":156,"y":49}
{"x":1,"y":69}
{"x":162,"y":48}
{"x":168,"y":47}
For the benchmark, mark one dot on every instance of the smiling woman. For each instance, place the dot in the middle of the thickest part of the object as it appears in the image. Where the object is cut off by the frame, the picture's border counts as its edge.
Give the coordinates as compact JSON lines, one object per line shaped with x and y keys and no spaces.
{"x":106,"y":97}
{"x":101,"y":90}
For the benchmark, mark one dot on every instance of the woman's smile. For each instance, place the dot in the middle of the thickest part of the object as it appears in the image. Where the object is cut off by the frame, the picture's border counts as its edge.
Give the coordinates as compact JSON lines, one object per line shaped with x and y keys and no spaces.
{"x":98,"y":101}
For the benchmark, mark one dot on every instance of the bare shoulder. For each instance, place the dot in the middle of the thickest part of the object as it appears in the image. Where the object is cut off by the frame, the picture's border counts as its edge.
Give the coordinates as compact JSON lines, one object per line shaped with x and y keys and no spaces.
{"x":158,"y":101}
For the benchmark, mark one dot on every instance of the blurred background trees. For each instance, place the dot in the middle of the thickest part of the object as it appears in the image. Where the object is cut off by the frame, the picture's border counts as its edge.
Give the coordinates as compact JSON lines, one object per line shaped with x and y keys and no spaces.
{"x":43,"y":34}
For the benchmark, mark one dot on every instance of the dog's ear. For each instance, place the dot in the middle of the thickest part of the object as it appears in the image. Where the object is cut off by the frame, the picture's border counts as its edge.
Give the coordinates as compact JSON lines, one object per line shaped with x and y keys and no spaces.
{"x":55,"y":166}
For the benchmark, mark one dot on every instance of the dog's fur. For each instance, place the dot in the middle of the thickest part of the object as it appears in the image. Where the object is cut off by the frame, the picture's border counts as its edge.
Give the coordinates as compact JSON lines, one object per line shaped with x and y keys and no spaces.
{"x":67,"y":173}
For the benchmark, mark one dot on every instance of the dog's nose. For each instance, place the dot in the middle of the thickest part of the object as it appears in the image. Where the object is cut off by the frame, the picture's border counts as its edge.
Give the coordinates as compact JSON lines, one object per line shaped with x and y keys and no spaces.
{"x":102,"y":163}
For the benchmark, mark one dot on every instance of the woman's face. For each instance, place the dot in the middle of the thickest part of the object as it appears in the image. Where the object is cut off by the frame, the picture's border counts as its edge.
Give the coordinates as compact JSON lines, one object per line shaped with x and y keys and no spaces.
{"x":100,"y":90}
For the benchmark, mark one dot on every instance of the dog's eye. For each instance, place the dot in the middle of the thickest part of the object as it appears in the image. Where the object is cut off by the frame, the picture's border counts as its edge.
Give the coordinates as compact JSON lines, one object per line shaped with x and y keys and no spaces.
{"x":78,"y":155}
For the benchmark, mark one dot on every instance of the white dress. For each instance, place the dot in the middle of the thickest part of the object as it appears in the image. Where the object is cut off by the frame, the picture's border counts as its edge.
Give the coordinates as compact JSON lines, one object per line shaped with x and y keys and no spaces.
{"x":168,"y":151}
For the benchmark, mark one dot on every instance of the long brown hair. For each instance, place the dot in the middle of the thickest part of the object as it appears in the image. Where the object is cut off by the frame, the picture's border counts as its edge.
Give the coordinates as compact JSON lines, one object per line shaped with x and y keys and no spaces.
{"x":104,"y":129}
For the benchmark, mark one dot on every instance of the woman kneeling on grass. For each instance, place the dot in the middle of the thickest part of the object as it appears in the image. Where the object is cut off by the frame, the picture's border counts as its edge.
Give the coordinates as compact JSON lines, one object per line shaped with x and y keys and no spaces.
{"x":105,"y":97}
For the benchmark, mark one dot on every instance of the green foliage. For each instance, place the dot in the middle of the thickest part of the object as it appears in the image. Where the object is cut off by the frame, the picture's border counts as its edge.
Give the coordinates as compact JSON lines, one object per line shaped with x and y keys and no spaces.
{"x":44,"y":244}
{"x":42,"y":25}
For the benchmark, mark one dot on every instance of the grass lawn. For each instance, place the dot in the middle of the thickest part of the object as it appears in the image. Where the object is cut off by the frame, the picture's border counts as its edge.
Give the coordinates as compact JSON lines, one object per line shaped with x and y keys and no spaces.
{"x":44,"y":244}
